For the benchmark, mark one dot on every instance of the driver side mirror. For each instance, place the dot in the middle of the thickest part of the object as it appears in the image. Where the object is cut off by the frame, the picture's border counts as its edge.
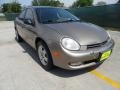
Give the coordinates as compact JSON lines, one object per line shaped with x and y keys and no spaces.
{"x":29,"y":22}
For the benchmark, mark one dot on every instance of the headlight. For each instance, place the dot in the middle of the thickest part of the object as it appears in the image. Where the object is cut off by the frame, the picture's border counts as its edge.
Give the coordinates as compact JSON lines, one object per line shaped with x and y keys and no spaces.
{"x":70,"y":44}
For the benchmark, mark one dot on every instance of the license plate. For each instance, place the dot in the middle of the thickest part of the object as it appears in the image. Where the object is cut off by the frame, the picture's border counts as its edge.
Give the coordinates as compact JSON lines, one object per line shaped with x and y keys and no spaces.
{"x":105,"y":55}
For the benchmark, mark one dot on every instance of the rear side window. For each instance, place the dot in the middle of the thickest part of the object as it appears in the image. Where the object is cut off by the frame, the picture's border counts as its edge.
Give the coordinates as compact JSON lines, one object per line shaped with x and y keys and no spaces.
{"x":29,"y":14}
{"x":22,"y":15}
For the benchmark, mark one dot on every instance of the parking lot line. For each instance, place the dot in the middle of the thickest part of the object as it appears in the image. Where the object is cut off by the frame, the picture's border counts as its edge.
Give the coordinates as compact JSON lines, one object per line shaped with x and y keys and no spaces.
{"x":106,"y":79}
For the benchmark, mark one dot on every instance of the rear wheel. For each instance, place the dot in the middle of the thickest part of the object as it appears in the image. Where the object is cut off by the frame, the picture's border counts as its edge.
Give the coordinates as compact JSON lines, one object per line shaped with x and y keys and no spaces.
{"x":44,"y":56}
{"x":18,"y":37}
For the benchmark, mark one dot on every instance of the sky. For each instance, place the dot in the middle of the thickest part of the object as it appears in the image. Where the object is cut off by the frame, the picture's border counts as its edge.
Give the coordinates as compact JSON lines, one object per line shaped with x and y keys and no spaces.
{"x":66,"y":2}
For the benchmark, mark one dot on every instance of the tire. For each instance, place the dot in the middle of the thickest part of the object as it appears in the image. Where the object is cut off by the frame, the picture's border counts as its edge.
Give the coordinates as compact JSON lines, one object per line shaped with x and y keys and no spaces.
{"x":45,"y":57}
{"x":18,"y":37}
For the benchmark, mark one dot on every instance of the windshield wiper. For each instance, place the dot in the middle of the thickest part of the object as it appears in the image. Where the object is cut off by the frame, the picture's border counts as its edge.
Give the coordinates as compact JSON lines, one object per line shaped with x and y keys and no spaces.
{"x":60,"y":21}
{"x":49,"y":21}
{"x":71,"y":20}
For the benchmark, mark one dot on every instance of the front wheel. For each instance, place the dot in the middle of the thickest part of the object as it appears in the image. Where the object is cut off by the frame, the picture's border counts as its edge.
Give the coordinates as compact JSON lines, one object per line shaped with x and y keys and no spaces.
{"x":44,"y":56}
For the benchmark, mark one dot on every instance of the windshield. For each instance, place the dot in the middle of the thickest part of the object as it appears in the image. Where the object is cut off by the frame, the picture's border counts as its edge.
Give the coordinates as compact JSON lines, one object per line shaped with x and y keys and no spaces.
{"x":54,"y":15}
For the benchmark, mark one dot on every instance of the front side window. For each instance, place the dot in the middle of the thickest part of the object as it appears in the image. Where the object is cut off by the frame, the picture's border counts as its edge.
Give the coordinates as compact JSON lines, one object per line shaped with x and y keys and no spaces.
{"x":54,"y":15}
{"x":29,"y":14}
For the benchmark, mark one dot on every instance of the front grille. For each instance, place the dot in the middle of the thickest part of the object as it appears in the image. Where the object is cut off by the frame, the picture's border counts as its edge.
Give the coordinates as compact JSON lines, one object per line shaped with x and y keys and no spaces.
{"x":96,"y":45}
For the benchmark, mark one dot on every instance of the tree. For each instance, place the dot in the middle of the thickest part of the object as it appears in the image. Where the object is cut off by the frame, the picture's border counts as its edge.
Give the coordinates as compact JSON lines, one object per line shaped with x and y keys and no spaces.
{"x":47,"y":3}
{"x":5,"y":7}
{"x":101,"y":3}
{"x":35,"y":2}
{"x":82,"y":3}
{"x":13,"y":7}
{"x":16,"y":7}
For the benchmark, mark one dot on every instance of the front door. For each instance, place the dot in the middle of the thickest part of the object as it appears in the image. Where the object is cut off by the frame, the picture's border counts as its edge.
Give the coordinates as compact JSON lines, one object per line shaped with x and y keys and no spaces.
{"x":30,"y":34}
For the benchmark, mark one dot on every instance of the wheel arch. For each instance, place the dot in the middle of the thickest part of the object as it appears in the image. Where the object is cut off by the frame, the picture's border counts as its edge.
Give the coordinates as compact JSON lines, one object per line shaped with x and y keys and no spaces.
{"x":38,"y":39}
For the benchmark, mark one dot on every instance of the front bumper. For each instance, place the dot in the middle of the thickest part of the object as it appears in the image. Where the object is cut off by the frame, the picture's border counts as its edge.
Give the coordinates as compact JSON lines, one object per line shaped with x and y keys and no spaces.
{"x":74,"y":60}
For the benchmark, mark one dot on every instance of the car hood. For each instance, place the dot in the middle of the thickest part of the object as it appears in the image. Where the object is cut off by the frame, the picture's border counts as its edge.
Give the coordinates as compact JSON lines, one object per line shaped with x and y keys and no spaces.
{"x":83,"y":33}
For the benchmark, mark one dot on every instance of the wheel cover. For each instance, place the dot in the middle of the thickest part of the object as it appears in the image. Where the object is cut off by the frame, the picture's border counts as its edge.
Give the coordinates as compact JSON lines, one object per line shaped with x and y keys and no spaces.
{"x":43,"y":56}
